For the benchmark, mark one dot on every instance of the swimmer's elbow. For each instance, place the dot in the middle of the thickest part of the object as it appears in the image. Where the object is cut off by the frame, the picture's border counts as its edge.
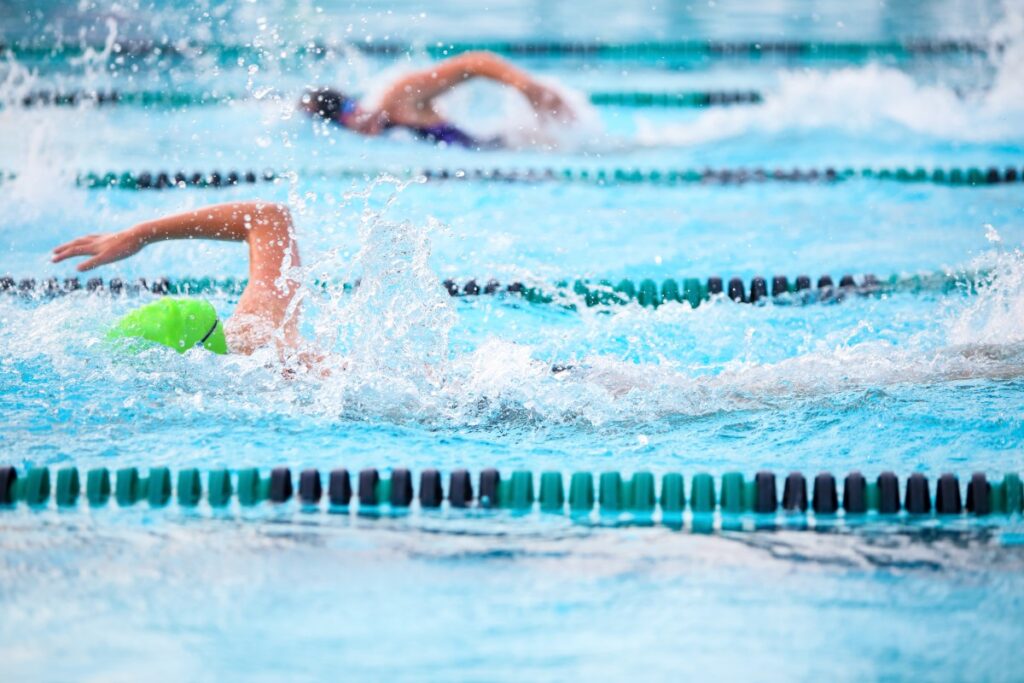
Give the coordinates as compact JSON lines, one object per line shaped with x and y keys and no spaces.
{"x":480,"y":56}
{"x":273,"y":217}
{"x":268,"y":229}
{"x":274,"y":211}
{"x":478,"y":63}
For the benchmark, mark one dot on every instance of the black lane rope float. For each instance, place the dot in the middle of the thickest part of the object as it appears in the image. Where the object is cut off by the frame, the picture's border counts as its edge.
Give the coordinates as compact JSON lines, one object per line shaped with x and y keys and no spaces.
{"x":174,"y":99}
{"x":781,"y":290}
{"x":679,"y":49}
{"x":164,"y":180}
{"x":520,"y":491}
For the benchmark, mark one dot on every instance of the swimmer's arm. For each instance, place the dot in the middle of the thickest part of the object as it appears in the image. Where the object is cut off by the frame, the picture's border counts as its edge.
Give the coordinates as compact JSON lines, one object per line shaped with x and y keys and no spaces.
{"x":430,"y":83}
{"x":266,"y":227}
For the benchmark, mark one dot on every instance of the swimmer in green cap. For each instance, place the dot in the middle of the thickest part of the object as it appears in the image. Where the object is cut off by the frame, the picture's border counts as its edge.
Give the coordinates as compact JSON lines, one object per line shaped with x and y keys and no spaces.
{"x":178,"y":323}
{"x":264,"y":314}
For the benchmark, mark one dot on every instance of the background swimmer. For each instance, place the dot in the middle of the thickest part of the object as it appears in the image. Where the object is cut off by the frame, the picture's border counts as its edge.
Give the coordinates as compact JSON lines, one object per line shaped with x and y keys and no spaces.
{"x":409,"y":101}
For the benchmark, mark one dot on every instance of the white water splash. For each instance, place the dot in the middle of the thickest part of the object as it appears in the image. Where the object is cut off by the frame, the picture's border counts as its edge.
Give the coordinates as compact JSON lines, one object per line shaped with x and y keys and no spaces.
{"x":995,"y":318}
{"x":488,"y":111}
{"x":38,"y":156}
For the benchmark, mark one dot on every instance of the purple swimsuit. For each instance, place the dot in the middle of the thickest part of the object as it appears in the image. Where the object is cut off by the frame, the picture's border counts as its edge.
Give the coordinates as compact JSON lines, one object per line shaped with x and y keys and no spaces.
{"x":448,"y":134}
{"x":445,"y":133}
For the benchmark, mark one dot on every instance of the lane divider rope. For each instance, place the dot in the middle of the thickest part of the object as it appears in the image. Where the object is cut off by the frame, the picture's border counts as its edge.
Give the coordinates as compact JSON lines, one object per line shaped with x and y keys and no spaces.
{"x":958,"y":177}
{"x":780,"y":290}
{"x":521,"y":491}
{"x":178,"y":99}
{"x":683,"y":49}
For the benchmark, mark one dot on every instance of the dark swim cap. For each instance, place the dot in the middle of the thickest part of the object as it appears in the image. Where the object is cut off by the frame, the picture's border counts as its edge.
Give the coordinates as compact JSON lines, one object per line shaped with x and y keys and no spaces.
{"x":328,"y":104}
{"x":179,"y":324}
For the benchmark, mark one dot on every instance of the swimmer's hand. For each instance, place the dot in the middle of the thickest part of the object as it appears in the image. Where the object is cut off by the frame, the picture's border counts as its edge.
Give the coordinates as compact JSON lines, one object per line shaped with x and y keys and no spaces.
{"x":548,"y":103}
{"x":103,"y":248}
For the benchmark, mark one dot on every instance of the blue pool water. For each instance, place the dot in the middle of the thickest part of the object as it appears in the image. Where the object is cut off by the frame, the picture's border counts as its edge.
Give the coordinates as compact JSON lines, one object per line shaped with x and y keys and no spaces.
{"x":927,"y":382}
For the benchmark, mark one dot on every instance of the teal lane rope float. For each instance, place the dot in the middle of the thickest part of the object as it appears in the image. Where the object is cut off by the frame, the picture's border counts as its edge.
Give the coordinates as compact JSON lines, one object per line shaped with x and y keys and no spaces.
{"x":521,"y":491}
{"x":227,"y":53}
{"x":178,"y":99}
{"x":958,"y":177}
{"x":780,"y":290}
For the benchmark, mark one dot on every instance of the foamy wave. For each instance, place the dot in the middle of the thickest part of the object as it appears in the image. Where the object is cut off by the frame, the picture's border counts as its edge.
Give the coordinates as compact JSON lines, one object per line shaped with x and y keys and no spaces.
{"x":858,"y":100}
{"x":400,"y":377}
{"x":872,"y":98}
{"x":972,"y":338}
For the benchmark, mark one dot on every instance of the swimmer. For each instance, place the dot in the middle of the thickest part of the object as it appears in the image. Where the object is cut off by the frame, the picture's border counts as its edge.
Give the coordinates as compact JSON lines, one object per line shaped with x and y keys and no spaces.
{"x":409,"y":101}
{"x":267,"y":312}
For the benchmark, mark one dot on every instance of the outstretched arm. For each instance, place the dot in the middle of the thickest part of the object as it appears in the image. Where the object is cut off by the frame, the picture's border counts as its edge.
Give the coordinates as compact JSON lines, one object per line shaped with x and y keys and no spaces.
{"x":423,"y":86}
{"x":266,"y":227}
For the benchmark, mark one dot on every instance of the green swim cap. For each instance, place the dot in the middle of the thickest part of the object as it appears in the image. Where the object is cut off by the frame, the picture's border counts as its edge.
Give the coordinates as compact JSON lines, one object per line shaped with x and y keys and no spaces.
{"x":180,"y":324}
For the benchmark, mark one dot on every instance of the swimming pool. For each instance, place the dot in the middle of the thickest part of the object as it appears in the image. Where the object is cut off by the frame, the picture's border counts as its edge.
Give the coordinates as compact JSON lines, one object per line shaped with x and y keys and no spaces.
{"x":925,"y":381}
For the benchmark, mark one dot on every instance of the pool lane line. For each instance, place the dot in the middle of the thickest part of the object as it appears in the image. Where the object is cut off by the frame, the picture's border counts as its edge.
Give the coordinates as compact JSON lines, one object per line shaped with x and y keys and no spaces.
{"x":601,"y":177}
{"x":648,"y":293}
{"x":607,"y":493}
{"x":255,"y":52}
{"x":178,"y":99}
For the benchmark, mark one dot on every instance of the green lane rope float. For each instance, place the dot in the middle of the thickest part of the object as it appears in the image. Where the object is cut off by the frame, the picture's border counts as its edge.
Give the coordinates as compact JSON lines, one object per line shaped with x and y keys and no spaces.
{"x":177,"y":99}
{"x":956,"y":177}
{"x":780,"y":290}
{"x":646,"y":50}
{"x":608,"y":493}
